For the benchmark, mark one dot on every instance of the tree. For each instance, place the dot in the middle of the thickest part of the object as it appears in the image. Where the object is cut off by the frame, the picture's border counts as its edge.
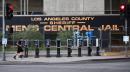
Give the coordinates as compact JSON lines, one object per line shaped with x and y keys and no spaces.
{"x":64,"y":35}
{"x":31,"y":33}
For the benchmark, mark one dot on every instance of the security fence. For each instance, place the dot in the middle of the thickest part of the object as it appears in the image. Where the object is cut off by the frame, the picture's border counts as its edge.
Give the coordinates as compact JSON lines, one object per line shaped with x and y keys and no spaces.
{"x":107,"y":41}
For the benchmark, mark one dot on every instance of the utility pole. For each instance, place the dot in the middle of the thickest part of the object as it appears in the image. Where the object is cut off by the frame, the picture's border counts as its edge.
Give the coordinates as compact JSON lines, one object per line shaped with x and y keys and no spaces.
{"x":3,"y":31}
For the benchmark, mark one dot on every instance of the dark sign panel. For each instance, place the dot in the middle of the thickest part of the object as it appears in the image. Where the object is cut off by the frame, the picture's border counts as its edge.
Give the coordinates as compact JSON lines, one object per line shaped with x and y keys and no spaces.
{"x":64,"y":23}
{"x":81,"y":23}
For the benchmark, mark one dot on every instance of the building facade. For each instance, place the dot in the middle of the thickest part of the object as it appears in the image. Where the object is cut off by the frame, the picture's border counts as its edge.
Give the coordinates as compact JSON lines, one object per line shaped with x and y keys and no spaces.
{"x":104,"y":14}
{"x":64,"y":7}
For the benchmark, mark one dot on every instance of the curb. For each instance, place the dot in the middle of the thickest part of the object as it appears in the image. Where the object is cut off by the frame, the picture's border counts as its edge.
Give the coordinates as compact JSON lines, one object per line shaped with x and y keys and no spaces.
{"x":110,"y":59}
{"x":15,"y":62}
{"x":74,"y":62}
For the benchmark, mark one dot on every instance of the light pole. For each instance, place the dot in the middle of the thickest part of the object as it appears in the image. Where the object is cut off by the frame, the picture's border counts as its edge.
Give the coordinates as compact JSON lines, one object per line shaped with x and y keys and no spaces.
{"x":3,"y":31}
{"x":126,"y":50}
{"x":126,"y":26}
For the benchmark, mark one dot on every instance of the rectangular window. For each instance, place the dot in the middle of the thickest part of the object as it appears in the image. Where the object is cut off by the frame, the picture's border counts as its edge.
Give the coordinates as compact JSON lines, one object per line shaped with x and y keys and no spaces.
{"x":35,"y":7}
{"x":112,"y":6}
{"x":24,"y":6}
{"x":107,"y":6}
{"x":115,"y":6}
{"x":16,"y":4}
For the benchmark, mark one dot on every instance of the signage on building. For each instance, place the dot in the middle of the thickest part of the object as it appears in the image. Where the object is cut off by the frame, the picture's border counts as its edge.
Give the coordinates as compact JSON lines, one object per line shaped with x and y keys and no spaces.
{"x":36,"y":19}
{"x":64,"y":23}
{"x":80,"y":23}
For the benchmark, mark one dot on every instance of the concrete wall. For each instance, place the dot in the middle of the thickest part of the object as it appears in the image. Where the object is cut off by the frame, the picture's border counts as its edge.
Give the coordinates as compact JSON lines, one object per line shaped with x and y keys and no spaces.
{"x":74,"y":7}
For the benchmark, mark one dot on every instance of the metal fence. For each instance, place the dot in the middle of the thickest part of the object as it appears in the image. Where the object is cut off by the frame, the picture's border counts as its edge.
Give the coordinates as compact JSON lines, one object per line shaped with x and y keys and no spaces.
{"x":107,"y":41}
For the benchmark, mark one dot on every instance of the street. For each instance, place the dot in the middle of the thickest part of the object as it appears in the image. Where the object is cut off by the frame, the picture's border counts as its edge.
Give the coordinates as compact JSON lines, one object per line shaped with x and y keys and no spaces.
{"x":105,"y":66}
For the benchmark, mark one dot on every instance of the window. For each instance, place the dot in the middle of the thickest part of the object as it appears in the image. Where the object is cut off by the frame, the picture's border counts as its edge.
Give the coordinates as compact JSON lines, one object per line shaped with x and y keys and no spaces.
{"x":36,"y":7}
{"x":16,"y":4}
{"x":24,"y":6}
{"x":0,"y":7}
{"x":112,"y":6}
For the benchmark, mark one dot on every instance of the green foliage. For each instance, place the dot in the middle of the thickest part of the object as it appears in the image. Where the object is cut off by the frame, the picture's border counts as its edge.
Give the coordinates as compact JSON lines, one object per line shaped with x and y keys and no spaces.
{"x":30,"y":33}
{"x":64,"y":35}
{"x":0,"y":35}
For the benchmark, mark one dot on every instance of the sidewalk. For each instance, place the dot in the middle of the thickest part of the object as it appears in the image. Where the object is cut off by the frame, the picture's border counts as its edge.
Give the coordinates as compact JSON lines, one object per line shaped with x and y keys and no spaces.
{"x":54,"y":59}
{"x":65,"y":59}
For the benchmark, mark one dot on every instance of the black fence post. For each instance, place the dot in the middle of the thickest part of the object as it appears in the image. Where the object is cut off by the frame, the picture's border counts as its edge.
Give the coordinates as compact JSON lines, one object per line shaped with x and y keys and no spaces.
{"x":58,"y":44}
{"x":69,"y":45}
{"x":47,"y":44}
{"x":89,"y":47}
{"x":25,"y":48}
{"x":36,"y":42}
{"x":79,"y":44}
{"x":97,"y":47}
